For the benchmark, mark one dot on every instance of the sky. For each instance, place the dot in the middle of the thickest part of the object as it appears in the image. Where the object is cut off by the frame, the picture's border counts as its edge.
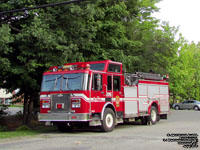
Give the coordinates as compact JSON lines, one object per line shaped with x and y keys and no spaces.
{"x":182,"y":13}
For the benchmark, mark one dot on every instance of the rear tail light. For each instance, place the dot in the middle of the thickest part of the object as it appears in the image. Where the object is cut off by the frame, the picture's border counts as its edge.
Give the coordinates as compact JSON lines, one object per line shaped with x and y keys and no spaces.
{"x":76,"y":103}
{"x":45,"y":103}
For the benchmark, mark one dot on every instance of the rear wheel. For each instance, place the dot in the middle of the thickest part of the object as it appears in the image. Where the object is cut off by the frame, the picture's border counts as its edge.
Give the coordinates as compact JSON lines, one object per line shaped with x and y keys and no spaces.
{"x":152,"y":118}
{"x":196,"y":108}
{"x":108,"y":122}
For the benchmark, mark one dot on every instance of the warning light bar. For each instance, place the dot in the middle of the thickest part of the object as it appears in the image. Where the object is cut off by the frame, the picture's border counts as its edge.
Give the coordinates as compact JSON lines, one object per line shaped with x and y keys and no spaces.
{"x":70,"y":67}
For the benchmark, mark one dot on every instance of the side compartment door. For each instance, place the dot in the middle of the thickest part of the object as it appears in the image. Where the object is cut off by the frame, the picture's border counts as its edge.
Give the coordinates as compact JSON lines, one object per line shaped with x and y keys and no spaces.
{"x":143,"y":97}
{"x":131,"y":101}
{"x":164,"y":98}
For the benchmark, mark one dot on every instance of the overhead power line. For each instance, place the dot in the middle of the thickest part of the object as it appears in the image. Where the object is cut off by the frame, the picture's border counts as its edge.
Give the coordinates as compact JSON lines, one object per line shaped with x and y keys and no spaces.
{"x":41,"y":6}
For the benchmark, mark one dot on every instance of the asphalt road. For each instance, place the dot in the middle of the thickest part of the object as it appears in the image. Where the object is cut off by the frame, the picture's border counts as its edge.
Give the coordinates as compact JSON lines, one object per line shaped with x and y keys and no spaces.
{"x":124,"y":137}
{"x":13,"y":110}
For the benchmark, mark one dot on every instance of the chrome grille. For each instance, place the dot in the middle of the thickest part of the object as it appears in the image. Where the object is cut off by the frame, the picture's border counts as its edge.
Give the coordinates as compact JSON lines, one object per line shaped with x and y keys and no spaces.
{"x":60,"y":99}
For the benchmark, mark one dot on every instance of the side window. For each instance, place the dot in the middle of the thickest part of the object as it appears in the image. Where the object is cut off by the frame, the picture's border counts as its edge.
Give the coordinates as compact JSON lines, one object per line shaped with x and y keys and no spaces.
{"x":88,"y":84}
{"x":116,"y":83}
{"x":95,"y":81}
{"x":114,"y":68}
{"x":109,"y":82}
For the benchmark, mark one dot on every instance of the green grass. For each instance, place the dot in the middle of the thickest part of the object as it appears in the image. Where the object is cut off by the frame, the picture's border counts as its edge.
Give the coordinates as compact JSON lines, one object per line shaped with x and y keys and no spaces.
{"x":12,"y":134}
{"x":20,"y":106}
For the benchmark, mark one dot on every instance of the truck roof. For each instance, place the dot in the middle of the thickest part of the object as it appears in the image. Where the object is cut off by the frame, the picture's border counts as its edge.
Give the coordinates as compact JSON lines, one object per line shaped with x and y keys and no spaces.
{"x":94,"y":65}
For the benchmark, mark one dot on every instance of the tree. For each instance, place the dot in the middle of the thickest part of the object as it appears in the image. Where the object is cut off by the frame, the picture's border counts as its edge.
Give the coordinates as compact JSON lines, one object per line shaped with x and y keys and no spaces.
{"x":30,"y":47}
{"x":94,"y":30}
{"x":185,"y":73}
{"x":5,"y":50}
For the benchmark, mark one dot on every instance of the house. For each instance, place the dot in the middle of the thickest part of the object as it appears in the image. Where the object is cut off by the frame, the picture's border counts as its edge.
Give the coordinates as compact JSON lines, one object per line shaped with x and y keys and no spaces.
{"x":5,"y":97}
{"x":8,"y":98}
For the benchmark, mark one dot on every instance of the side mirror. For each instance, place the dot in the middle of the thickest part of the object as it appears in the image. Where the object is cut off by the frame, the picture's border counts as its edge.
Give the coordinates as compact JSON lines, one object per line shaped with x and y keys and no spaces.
{"x":99,"y":82}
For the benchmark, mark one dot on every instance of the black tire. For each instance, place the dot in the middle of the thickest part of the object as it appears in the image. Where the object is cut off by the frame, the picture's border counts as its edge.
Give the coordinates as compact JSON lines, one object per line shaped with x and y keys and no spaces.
{"x":177,"y":107}
{"x":153,"y":117}
{"x":158,"y":118}
{"x":64,"y":127}
{"x":196,"y":108}
{"x":143,"y":120}
{"x":108,"y":122}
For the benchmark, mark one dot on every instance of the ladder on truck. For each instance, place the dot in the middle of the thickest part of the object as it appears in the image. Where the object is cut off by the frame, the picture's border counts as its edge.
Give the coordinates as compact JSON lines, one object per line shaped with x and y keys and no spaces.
{"x":132,"y":78}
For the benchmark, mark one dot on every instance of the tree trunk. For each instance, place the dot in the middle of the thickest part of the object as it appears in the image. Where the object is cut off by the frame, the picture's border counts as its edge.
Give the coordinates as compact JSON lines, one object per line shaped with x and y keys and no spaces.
{"x":30,"y":109}
{"x":29,"y":99}
{"x":174,"y":99}
{"x":25,"y":109}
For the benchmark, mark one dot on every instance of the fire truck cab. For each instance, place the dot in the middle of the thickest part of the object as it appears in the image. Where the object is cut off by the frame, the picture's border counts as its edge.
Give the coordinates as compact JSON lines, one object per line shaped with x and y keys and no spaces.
{"x":101,"y":94}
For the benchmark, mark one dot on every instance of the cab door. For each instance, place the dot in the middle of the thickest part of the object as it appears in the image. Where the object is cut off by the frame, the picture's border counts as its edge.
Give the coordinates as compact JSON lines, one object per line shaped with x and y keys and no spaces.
{"x":116,"y":72}
{"x":109,"y":88}
{"x":98,"y":91}
{"x":117,"y":92}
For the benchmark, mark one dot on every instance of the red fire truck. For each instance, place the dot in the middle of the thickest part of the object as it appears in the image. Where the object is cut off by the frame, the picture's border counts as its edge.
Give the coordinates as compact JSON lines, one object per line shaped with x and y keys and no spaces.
{"x":101,"y":94}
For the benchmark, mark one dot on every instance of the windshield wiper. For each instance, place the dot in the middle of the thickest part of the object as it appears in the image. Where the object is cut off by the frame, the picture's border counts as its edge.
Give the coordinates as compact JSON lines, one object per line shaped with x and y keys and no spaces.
{"x":67,"y":84}
{"x":55,"y":83}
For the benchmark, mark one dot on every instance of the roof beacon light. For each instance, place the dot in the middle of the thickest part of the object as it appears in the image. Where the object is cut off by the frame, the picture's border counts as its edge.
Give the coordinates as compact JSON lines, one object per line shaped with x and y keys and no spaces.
{"x":87,"y":66}
{"x":55,"y":69}
{"x":166,"y":76}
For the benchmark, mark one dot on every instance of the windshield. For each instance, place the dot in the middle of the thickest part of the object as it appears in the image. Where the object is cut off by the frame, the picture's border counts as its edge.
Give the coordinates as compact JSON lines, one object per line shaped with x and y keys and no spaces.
{"x":99,"y":67}
{"x":51,"y":83}
{"x":66,"y":82}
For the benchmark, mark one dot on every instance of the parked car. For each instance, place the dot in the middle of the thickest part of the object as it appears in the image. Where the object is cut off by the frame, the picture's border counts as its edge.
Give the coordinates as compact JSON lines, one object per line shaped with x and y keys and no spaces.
{"x":188,"y":104}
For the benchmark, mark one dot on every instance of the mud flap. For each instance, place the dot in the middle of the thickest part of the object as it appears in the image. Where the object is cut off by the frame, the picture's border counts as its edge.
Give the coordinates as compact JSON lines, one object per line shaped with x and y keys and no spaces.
{"x":164,"y":116}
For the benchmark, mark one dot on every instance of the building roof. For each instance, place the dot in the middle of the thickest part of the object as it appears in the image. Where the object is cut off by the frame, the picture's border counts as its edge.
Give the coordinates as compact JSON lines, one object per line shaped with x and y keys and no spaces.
{"x":5,"y":94}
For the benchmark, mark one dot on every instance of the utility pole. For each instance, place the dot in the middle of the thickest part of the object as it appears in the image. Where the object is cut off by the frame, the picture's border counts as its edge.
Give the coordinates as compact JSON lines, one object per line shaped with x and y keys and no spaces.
{"x":4,"y":15}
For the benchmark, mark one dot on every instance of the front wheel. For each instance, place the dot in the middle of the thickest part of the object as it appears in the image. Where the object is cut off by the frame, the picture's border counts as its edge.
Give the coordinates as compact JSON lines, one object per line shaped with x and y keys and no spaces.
{"x":108,"y":122}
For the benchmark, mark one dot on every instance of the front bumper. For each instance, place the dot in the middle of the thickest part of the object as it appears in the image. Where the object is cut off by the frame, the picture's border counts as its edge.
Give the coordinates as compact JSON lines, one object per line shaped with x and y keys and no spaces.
{"x":70,"y":117}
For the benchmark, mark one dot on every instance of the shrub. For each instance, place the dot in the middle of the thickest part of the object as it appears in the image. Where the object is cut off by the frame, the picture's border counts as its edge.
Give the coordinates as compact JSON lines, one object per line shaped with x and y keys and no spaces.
{"x":23,"y":128}
{"x":2,"y":109}
{"x":3,"y":128}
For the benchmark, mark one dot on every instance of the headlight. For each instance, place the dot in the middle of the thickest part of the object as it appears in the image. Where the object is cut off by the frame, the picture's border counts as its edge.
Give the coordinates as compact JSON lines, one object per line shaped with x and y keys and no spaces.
{"x":45,"y":103}
{"x":76,"y":103}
